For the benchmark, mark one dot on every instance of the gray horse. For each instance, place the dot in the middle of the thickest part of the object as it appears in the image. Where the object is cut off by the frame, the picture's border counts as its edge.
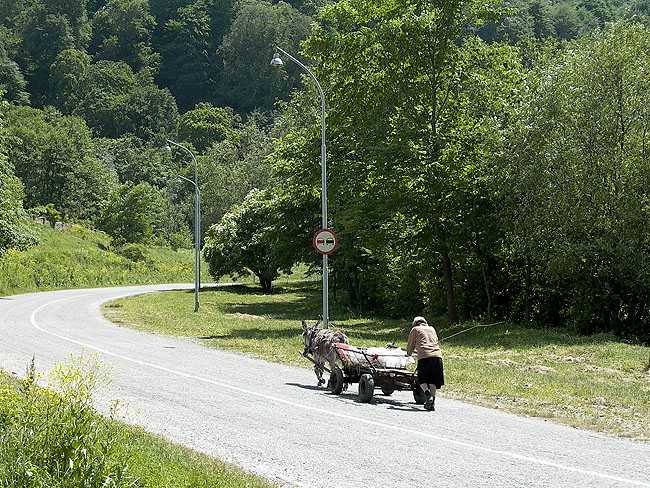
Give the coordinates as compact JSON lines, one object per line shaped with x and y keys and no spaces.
{"x":320,"y":344}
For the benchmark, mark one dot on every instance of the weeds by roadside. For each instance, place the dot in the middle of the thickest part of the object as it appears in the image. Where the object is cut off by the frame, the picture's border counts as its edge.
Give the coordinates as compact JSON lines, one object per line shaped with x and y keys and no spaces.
{"x":53,"y":438}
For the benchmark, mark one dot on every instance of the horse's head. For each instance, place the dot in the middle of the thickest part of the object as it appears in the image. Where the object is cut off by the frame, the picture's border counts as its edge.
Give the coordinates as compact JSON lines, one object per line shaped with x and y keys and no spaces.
{"x":308,"y":332}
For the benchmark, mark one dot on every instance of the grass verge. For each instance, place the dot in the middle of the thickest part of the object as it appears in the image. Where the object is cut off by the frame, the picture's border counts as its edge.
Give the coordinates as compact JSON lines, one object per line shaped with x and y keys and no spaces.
{"x":78,"y":257}
{"x":591,"y":382}
{"x":56,"y":440}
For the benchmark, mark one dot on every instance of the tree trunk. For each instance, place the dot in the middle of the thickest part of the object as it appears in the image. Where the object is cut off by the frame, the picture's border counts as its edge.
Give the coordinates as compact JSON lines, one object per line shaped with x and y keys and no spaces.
{"x":452,"y":316}
{"x":266,"y":284}
{"x":486,"y":284}
{"x":527,"y":286}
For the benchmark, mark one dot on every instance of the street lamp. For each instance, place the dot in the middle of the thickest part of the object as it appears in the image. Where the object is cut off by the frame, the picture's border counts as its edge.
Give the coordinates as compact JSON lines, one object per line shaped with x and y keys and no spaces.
{"x":197,"y":223}
{"x":277,"y":62}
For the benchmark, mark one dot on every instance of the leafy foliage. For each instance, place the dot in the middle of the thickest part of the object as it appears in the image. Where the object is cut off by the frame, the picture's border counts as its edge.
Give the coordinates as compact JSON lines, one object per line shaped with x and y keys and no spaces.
{"x":133,"y":213}
{"x":206,"y":125}
{"x":56,"y":439}
{"x":13,"y":232}
{"x":246,"y":240}
{"x":232,"y":168}
{"x":580,"y":173}
{"x":248,"y":79}
{"x":122,"y":32}
{"x":54,"y":157}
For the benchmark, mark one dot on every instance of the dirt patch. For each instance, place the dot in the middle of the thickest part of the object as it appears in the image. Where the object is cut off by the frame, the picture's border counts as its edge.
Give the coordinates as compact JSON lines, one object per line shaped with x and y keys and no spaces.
{"x":541,"y":369}
{"x":571,"y":359}
{"x":244,"y":316}
{"x":607,"y":371}
{"x":503,"y":362}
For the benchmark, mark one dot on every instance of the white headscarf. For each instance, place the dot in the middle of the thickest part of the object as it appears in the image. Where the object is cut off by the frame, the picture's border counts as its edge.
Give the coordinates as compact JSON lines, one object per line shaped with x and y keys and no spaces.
{"x":420,"y":321}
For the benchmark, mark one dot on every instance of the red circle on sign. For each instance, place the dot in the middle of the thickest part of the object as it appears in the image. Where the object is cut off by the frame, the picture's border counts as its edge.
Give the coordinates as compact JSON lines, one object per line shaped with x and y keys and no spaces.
{"x":322,"y":242}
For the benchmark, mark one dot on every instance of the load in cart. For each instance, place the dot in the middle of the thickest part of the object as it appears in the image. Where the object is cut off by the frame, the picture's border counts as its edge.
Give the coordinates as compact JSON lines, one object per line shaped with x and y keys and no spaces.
{"x":374,"y":368}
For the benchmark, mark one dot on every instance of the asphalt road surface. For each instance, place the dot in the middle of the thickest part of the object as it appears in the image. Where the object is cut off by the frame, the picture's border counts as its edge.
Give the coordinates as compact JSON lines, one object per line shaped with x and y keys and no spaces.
{"x":271,"y":420}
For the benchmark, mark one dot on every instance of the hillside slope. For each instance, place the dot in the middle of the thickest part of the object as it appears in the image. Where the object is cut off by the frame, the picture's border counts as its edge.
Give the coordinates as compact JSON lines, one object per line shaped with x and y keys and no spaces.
{"x":78,"y":257}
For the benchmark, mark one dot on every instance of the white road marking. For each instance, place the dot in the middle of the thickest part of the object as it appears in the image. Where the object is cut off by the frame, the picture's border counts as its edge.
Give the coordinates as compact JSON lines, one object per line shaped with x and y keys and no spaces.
{"x":476,"y":447}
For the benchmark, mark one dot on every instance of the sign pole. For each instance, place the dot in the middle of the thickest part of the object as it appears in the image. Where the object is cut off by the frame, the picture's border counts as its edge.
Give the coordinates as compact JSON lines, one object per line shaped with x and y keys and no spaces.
{"x":323,"y":167}
{"x":326,"y":243}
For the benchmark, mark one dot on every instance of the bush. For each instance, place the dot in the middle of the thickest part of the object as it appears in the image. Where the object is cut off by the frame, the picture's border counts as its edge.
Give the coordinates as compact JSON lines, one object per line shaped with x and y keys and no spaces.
{"x":55,"y":439}
{"x":133,"y":252}
{"x":134,"y":213}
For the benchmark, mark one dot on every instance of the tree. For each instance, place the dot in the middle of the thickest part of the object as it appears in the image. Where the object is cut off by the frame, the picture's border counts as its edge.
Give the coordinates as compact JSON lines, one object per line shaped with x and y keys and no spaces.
{"x":54,"y":157}
{"x":13,"y":231}
{"x":46,"y":29}
{"x":67,"y":79}
{"x":147,"y":112}
{"x":43,"y":40}
{"x":248,"y":80}
{"x":134,"y":213}
{"x":100,"y":96}
{"x":416,"y":108}
{"x":12,"y":81}
{"x":122,"y":31}
{"x":112,"y":99}
{"x":232,"y":168}
{"x":206,"y":125}
{"x":134,"y":161}
{"x":578,"y":180}
{"x":190,"y":65}
{"x":246,"y":239}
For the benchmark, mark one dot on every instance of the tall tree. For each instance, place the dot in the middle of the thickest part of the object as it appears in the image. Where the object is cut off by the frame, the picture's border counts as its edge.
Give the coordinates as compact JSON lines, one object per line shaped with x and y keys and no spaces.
{"x":579,"y":171}
{"x":122,"y":31}
{"x":13,"y":232}
{"x":248,"y":80}
{"x":417,"y":103}
{"x":46,"y":29}
{"x":190,"y":67}
{"x":206,"y":125}
{"x":12,"y":81}
{"x":67,"y":79}
{"x":54,"y":157}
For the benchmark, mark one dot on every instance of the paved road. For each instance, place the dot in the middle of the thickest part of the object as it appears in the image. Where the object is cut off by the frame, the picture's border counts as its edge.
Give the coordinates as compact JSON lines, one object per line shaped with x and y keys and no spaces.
{"x":270,"y":420}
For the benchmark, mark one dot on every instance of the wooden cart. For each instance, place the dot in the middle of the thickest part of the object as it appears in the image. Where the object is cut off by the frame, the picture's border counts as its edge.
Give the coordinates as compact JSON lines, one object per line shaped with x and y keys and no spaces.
{"x":369,"y":371}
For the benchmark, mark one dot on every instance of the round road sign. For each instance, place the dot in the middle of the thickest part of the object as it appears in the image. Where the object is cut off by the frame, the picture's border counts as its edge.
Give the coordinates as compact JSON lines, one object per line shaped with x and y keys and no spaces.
{"x":325,"y":241}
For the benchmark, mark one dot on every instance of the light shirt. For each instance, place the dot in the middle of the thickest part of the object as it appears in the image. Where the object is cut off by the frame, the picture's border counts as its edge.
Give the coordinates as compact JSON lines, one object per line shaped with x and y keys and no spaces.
{"x":424,"y":340}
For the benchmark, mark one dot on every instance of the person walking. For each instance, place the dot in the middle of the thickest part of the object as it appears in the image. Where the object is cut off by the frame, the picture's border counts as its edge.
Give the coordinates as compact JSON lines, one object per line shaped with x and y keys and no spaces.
{"x":424,"y":341}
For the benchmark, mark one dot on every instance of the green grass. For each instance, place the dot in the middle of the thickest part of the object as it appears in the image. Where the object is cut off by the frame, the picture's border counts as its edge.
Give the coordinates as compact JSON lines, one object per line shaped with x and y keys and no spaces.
{"x":68,"y":435}
{"x":592,"y":382}
{"x":78,"y":258}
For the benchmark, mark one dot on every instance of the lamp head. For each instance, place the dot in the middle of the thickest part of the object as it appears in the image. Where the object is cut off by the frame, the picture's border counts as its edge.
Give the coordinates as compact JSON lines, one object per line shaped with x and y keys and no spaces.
{"x":277,"y":60}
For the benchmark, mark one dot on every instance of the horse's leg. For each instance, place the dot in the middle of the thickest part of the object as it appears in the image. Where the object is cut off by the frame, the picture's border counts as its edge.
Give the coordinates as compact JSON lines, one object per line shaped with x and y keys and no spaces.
{"x":331,"y":360}
{"x":318,"y":368}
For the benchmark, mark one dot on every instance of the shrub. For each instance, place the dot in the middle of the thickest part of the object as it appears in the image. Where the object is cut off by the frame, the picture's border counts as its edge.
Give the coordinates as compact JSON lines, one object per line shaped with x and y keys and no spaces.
{"x":54,"y":439}
{"x":133,"y":252}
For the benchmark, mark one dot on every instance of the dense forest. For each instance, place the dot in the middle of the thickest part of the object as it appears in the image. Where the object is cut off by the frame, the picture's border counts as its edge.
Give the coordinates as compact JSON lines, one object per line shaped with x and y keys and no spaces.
{"x":487,"y":159}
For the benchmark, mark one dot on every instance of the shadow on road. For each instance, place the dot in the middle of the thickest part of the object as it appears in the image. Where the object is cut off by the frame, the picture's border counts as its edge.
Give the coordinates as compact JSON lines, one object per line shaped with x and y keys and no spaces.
{"x":307,"y":387}
{"x":351,"y":398}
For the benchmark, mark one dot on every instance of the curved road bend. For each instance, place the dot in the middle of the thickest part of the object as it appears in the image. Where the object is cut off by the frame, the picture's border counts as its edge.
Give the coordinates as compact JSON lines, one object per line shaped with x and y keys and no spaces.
{"x":268,"y":419}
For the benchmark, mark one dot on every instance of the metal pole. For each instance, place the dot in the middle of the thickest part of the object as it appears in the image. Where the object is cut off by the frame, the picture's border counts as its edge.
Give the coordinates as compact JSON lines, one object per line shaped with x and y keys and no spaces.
{"x":197,"y":225}
{"x":323,"y":164}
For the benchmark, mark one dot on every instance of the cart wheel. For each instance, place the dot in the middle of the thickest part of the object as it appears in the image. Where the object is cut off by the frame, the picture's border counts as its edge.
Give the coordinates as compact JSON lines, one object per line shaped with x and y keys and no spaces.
{"x":418,"y":395}
{"x":366,"y":388}
{"x":387,"y":390}
{"x":336,"y":380}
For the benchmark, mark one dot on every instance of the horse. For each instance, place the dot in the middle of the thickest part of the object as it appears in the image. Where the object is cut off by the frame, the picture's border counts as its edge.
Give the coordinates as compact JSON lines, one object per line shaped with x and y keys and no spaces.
{"x":320,"y":344}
